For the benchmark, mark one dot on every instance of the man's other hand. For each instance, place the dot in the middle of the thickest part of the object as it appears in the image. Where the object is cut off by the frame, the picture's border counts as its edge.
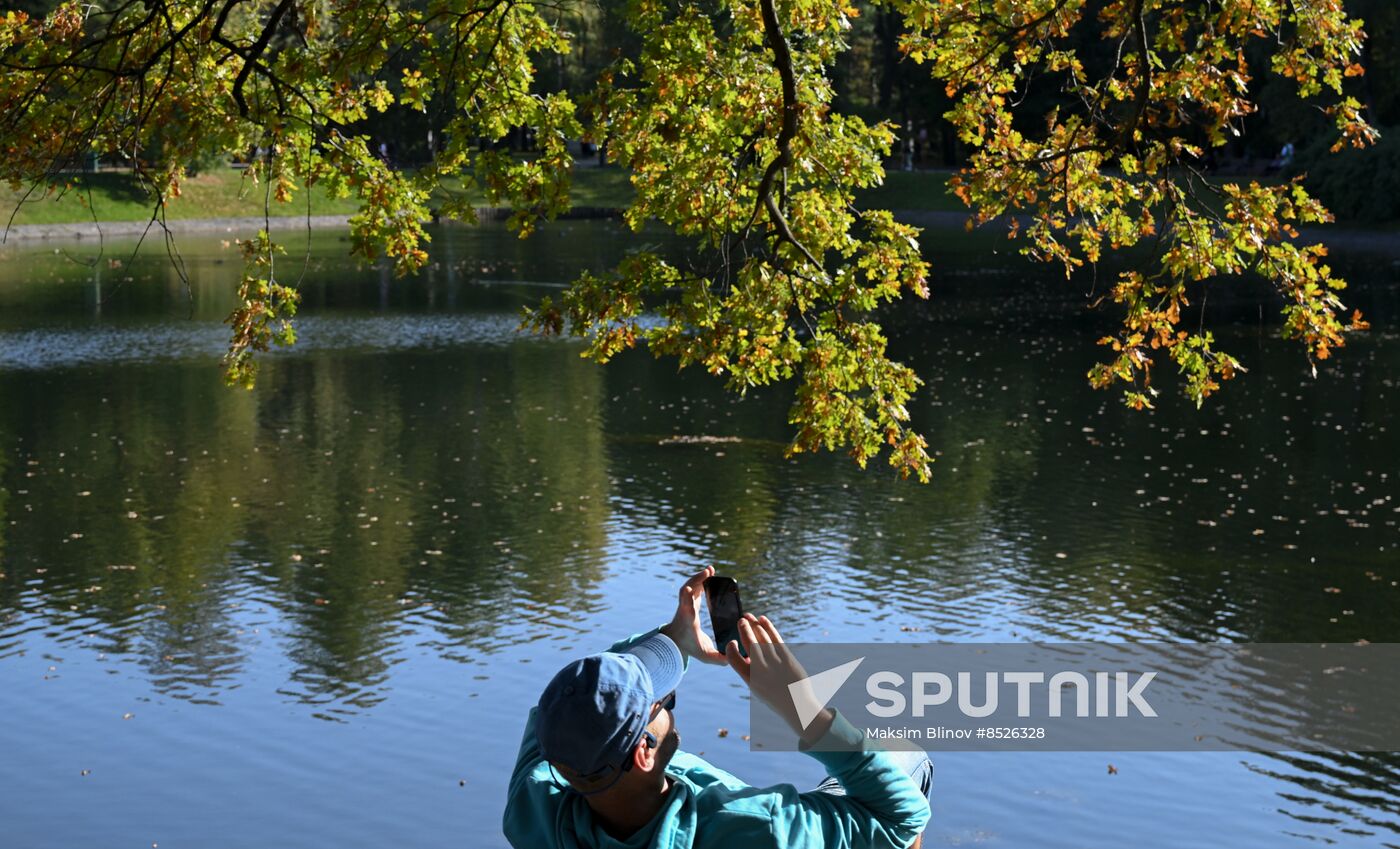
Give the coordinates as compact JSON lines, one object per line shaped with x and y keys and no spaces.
{"x":783,"y":683}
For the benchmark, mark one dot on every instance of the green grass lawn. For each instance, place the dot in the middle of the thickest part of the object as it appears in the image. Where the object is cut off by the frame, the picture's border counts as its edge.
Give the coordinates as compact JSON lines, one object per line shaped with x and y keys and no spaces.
{"x":116,"y":196}
{"x":921,"y":190}
{"x":601,"y":187}
{"x":915,"y":190}
{"x":227,"y":194}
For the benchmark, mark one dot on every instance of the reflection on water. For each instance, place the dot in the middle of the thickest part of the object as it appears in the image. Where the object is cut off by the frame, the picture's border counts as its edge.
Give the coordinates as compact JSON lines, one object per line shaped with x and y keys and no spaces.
{"x":420,"y":514}
{"x":44,"y":349}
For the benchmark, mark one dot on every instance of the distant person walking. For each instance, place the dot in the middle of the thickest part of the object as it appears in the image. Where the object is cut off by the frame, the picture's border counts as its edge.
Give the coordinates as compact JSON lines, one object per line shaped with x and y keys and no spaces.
{"x":1284,"y":158}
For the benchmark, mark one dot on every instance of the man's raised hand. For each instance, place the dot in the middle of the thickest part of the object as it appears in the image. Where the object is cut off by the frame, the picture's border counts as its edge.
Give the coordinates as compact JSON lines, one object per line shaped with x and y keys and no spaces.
{"x":684,"y":628}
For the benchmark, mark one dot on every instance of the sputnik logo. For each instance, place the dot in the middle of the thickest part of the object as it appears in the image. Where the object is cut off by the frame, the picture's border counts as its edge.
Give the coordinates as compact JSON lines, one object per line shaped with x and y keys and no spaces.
{"x":811,"y":694}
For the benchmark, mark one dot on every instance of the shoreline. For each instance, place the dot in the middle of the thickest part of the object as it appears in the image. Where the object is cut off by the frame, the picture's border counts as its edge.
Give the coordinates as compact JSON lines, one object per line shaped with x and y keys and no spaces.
{"x":105,"y":229}
{"x":1341,"y":237}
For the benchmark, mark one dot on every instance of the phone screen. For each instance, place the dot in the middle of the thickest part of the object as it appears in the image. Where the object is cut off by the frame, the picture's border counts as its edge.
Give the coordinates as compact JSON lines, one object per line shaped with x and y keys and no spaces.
{"x":725,"y":610}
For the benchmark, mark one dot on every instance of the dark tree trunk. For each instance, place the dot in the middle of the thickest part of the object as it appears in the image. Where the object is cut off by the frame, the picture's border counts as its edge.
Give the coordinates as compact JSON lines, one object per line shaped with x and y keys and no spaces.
{"x":887,"y":28}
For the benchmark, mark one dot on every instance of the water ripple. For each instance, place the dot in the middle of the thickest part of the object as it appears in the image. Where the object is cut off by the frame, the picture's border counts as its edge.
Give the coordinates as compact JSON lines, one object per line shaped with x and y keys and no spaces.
{"x":200,"y":340}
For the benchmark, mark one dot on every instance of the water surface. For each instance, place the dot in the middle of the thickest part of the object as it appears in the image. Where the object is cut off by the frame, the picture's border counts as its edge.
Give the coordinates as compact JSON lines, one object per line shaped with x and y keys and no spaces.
{"x":316,"y":614}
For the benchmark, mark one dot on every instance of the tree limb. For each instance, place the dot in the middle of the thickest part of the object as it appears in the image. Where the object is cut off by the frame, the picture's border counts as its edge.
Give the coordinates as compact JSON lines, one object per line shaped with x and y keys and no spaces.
{"x":787,"y":131}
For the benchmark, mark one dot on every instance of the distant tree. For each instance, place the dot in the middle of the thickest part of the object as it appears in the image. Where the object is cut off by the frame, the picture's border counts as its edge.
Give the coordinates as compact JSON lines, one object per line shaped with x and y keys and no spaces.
{"x":725,"y":119}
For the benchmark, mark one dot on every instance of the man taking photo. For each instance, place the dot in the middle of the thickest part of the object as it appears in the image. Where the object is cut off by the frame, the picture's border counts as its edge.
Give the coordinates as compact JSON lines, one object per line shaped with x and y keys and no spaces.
{"x":600,"y":765}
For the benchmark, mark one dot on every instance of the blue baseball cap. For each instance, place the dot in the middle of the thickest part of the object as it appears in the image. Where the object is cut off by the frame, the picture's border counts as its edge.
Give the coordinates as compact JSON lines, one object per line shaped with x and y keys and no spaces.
{"x":594,"y":710}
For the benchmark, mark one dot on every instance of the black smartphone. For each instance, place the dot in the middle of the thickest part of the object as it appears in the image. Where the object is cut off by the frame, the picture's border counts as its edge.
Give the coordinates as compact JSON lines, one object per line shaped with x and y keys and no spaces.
{"x":725,"y":610}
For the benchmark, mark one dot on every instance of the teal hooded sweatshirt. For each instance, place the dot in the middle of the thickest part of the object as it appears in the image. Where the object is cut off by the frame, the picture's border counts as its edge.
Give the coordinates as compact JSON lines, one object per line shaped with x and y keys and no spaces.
{"x":707,"y":807}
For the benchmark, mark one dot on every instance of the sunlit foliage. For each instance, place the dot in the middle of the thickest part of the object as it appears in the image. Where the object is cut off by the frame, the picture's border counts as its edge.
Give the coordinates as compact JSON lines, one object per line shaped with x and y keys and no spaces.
{"x":722,"y":110}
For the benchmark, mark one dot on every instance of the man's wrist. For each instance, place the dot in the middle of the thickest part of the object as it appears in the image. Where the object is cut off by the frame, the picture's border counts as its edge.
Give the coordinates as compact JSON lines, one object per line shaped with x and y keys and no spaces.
{"x":669,"y":629}
{"x":817,"y":729}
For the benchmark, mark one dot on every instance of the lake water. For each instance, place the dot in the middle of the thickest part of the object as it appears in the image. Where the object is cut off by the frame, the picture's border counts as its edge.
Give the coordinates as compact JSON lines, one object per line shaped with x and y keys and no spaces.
{"x":315,"y":615}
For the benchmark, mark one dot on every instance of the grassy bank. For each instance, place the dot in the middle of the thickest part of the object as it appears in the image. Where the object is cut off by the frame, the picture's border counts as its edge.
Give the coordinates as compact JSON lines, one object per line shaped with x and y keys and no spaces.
{"x":117,"y":196}
{"x":227,"y":194}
